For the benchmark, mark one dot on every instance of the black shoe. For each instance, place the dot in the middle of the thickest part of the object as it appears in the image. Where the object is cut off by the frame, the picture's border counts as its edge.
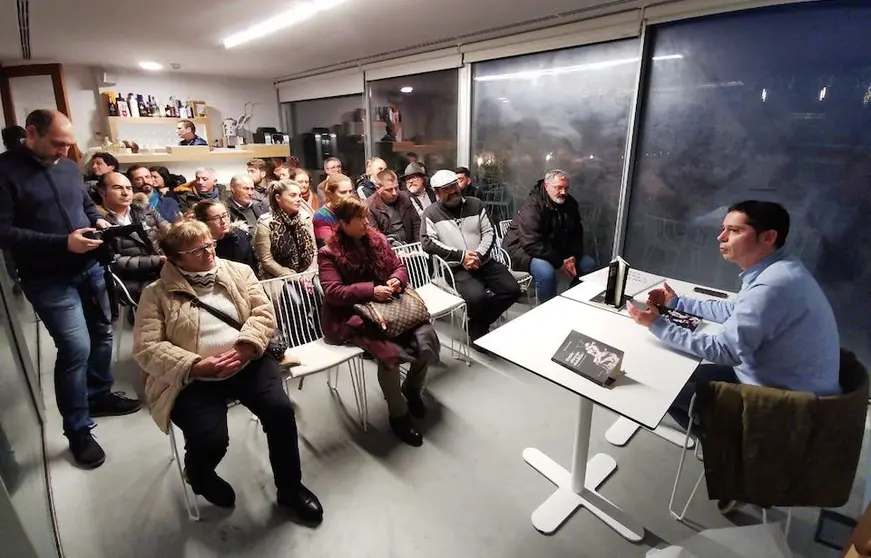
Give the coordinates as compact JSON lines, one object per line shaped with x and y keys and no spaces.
{"x":213,"y":488}
{"x":405,"y":430}
{"x":414,"y":398}
{"x":85,"y":449}
{"x":114,"y":405}
{"x":304,"y":504}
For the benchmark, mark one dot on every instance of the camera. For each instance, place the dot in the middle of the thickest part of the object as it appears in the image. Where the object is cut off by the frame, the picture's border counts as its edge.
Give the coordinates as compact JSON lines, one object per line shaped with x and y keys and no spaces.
{"x":104,"y":251}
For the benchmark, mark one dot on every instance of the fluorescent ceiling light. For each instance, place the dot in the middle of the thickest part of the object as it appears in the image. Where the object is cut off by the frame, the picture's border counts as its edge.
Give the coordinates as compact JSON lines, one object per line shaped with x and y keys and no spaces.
{"x":406,"y":89}
{"x":300,"y":12}
{"x":533,"y":74}
{"x":151,"y":66}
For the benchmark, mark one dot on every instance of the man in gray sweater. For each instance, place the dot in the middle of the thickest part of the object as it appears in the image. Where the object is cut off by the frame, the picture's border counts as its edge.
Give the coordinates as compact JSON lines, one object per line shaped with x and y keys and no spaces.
{"x":458,"y":230}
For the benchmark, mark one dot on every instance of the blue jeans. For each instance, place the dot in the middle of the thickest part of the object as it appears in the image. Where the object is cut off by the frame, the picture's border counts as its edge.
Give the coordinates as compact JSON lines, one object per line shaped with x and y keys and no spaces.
{"x":83,"y":338}
{"x":545,"y":276}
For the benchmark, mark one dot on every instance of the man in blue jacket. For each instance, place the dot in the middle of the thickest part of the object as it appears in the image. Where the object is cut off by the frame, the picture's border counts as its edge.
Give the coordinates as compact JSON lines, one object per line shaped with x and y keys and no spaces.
{"x":47,"y":221}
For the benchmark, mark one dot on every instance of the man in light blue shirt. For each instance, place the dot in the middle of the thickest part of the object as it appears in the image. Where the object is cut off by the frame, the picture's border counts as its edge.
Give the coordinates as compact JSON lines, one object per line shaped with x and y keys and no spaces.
{"x":778,"y":332}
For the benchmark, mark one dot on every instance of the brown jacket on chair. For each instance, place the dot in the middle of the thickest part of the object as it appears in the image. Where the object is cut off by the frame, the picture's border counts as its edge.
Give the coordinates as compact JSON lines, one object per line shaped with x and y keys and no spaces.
{"x":771,"y":447}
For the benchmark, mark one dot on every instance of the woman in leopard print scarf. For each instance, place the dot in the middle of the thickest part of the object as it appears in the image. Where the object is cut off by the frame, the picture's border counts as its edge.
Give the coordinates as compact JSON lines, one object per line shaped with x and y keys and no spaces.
{"x":284,"y":241}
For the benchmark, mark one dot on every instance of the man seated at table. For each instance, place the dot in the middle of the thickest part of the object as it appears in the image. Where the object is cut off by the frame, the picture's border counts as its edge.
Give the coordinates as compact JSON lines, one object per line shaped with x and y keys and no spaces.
{"x":546,"y":237}
{"x":458,"y":230}
{"x":779,"y":331}
{"x":391,"y":211}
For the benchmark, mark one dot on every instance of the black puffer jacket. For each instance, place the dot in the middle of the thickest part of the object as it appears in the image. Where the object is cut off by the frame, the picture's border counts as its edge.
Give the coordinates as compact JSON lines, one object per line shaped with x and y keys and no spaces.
{"x":237,"y":246}
{"x":544,"y":230}
{"x":364,"y":187}
{"x":137,"y":260}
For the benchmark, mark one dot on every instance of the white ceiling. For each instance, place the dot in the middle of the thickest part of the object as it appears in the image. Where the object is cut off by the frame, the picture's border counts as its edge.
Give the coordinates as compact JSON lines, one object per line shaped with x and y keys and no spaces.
{"x":120,"y":33}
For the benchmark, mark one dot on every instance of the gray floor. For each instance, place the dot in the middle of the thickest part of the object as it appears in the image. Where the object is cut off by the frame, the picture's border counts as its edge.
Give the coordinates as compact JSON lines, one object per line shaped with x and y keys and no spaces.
{"x":466,"y":493}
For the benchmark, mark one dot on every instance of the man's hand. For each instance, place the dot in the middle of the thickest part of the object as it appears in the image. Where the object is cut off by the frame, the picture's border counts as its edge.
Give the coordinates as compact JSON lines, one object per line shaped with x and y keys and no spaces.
{"x":78,"y":243}
{"x":394,"y":284}
{"x":383,"y":293}
{"x":471,"y":261}
{"x":662,"y":297}
{"x":643,"y":317}
{"x":569,"y":268}
{"x":102,"y":224}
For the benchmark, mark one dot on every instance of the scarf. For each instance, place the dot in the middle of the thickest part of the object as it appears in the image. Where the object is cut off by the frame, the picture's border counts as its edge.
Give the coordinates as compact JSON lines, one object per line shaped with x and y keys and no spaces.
{"x":292,"y":246}
{"x":203,"y":282}
{"x":155,"y":197}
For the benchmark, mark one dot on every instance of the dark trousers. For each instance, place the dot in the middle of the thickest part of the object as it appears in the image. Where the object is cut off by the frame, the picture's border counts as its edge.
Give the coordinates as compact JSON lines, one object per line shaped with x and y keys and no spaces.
{"x":201,"y":413}
{"x":680,"y":409}
{"x":488,"y":291}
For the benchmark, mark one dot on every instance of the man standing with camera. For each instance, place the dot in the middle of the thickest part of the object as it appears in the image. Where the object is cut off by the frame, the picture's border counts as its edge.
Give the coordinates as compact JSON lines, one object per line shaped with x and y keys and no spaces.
{"x":48,"y":221}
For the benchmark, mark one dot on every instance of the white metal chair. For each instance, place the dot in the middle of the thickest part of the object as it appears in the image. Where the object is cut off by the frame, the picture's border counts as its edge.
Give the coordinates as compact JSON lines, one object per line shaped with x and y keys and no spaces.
{"x":433,"y":280}
{"x":501,"y":229}
{"x":127,"y":304}
{"x":190,"y":499}
{"x":298,"y":300}
{"x":523,"y":278}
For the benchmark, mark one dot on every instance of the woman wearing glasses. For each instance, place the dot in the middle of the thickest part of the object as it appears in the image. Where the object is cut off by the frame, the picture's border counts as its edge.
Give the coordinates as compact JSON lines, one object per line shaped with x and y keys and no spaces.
{"x":194,"y":363}
{"x":284,"y":241}
{"x":232,"y":243}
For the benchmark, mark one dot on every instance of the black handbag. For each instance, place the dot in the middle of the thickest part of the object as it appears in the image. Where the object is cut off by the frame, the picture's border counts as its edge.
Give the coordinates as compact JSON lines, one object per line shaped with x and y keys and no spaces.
{"x":277,"y":344}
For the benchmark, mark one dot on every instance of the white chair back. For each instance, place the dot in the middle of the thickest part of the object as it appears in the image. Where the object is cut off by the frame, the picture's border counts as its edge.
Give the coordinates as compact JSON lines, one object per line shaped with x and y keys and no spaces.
{"x":503,"y":227}
{"x":417,"y":263}
{"x":297,"y":300}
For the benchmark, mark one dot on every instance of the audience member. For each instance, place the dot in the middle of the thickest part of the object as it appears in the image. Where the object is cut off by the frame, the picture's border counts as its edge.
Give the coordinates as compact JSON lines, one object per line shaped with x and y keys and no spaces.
{"x":137,"y":259}
{"x":422,"y":196}
{"x":13,"y":137}
{"x":231,"y":242}
{"x":102,"y":163}
{"x":46,"y":220}
{"x":391,"y":211}
{"x":284,"y":241}
{"x":143,"y":182}
{"x":358,"y":266}
{"x":187,"y":133}
{"x":242,"y":205}
{"x":283,"y":171}
{"x":164,"y":181}
{"x":332,"y":165}
{"x":310,"y":202}
{"x":194,"y":363}
{"x":258,"y":170}
{"x":779,"y":331}
{"x":467,"y":188}
{"x":459,"y":231}
{"x":414,"y":159}
{"x":546,"y":237}
{"x":205,"y":186}
{"x":365,"y":186}
{"x":335,"y":187}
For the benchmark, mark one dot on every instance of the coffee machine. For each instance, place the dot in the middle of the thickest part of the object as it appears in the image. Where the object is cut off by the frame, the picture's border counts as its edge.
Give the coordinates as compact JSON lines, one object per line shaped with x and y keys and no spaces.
{"x":317,"y":145}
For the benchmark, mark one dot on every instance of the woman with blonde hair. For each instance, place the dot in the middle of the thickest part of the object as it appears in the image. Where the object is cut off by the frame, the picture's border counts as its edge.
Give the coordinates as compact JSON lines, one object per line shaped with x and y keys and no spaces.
{"x":284,"y":241}
{"x":335,"y":187}
{"x":310,"y":201}
{"x":195,"y":361}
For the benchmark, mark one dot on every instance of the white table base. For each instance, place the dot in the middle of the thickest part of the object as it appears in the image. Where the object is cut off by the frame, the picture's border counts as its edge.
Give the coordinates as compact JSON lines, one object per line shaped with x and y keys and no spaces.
{"x":623,"y":429}
{"x":578,"y":488}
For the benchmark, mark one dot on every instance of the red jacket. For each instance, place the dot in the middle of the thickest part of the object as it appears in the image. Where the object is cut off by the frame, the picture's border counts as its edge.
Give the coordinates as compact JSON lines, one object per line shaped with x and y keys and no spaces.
{"x":349,"y":273}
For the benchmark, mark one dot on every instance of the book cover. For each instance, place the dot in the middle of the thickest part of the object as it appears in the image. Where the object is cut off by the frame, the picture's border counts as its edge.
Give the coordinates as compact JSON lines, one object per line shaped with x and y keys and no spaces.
{"x":679,"y":318}
{"x":615,"y":291}
{"x":590,"y":358}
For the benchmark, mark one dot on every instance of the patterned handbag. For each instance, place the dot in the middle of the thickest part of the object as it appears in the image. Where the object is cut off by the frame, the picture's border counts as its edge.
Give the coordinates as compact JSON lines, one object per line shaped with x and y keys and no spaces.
{"x":404,"y":312}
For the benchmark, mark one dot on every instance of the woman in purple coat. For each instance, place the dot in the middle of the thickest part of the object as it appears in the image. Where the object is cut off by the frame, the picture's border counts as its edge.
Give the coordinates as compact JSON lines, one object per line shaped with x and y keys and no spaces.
{"x":357,"y":266}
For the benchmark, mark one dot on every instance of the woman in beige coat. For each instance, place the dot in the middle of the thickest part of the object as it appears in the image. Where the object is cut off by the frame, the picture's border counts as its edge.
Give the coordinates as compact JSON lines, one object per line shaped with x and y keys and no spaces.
{"x":284,"y":241}
{"x":194,"y":363}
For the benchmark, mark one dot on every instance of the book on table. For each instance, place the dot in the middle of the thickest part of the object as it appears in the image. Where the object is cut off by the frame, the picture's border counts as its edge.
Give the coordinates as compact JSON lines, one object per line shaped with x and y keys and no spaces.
{"x":590,"y":358}
{"x":615,"y":290}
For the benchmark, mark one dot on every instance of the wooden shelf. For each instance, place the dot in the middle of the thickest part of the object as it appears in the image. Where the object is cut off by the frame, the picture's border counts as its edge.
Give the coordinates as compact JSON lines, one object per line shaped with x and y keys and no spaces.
{"x":251,"y":151}
{"x":155,"y":120}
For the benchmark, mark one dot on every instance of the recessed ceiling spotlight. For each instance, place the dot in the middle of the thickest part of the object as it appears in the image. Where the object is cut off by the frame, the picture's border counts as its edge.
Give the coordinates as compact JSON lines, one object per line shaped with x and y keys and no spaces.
{"x":151,"y":66}
{"x":406,"y":89}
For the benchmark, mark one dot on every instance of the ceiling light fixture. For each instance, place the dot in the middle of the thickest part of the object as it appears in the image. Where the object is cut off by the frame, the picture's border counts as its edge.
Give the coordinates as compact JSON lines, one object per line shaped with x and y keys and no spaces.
{"x":406,"y":89}
{"x":301,"y":12}
{"x":533,"y":74}
{"x":151,"y":66}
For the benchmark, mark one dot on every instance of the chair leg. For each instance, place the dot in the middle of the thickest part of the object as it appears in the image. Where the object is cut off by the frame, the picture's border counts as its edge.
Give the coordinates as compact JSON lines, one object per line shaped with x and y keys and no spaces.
{"x":358,"y":383}
{"x":119,"y":331}
{"x":190,"y":499}
{"x":461,"y":352}
{"x":332,"y":384}
{"x":683,"y":454}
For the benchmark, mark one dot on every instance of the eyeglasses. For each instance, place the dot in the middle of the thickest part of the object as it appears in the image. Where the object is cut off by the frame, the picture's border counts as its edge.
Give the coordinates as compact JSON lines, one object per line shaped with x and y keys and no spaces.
{"x":221,"y":217}
{"x":200,"y":252}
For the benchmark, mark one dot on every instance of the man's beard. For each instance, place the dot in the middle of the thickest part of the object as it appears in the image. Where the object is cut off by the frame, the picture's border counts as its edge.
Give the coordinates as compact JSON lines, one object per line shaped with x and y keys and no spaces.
{"x":453,"y":201}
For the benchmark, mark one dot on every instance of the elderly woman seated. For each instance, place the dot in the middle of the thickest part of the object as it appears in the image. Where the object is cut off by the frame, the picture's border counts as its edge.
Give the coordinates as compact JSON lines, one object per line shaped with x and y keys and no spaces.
{"x":358,"y":266}
{"x":195,"y":363}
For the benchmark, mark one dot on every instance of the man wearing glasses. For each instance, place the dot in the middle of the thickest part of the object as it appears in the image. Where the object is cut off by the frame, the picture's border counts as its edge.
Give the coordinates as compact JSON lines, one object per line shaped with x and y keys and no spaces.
{"x":242,"y":207}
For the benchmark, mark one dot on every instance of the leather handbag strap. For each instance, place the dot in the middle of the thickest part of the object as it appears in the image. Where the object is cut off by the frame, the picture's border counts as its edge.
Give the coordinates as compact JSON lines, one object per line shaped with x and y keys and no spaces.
{"x":223,"y":316}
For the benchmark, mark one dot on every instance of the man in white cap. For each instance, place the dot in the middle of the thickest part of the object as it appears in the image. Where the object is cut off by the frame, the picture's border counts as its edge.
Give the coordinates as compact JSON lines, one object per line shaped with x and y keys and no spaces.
{"x":458,"y":230}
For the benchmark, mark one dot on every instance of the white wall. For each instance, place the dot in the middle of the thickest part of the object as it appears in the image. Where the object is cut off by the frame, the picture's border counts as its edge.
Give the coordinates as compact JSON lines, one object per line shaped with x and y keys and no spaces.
{"x":225,"y":97}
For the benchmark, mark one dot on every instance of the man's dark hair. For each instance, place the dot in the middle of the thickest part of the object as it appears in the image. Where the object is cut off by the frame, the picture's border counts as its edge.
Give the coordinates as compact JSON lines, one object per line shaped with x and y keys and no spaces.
{"x":13,"y":136}
{"x":40,"y":119}
{"x":189,"y":124}
{"x":108,"y":158}
{"x":135,"y":168}
{"x":765,"y":216}
{"x":462,"y":170}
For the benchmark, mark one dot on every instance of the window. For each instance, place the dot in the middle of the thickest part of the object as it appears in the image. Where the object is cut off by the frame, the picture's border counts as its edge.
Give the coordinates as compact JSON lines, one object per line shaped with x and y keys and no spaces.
{"x":342,"y":116}
{"x":567,"y":109}
{"x":415,"y":114}
{"x":770,"y":104}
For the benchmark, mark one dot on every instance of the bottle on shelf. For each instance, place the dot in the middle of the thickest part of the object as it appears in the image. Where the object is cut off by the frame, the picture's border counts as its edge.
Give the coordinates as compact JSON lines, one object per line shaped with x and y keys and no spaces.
{"x":123,"y":107}
{"x":144,"y":111}
{"x":154,"y":106}
{"x":113,"y":103}
{"x":133,"y":105}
